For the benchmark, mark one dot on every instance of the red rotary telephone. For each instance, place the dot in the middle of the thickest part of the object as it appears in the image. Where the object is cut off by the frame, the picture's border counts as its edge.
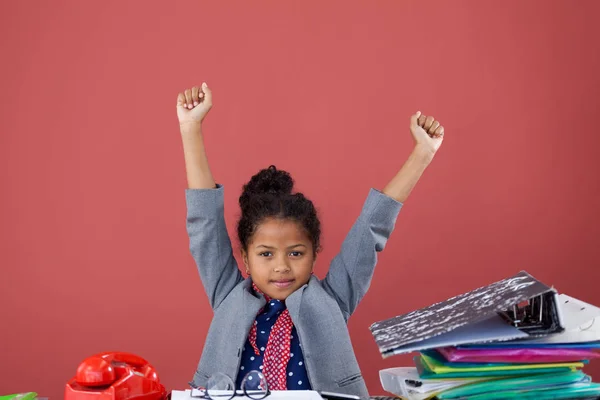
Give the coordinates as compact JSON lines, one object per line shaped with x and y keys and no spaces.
{"x":115,"y":376}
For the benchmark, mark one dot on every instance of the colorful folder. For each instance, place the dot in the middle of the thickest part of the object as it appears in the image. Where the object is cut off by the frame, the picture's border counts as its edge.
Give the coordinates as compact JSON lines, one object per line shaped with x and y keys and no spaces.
{"x":514,"y":339}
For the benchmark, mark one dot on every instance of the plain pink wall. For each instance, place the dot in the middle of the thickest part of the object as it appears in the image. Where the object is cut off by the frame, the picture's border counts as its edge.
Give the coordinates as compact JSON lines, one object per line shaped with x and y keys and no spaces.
{"x":93,"y":245}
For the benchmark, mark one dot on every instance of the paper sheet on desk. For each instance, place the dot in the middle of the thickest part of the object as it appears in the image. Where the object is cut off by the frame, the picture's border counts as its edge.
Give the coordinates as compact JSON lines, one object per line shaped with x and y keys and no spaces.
{"x":395,"y":380}
{"x":275,"y":395}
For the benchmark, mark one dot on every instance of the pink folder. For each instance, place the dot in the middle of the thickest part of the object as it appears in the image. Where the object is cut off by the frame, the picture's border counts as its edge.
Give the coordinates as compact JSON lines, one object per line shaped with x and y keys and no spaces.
{"x":517,"y":355}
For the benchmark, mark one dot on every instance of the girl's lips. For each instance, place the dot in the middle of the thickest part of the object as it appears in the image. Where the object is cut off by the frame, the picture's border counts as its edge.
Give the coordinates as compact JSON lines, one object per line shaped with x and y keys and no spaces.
{"x":283,"y":283}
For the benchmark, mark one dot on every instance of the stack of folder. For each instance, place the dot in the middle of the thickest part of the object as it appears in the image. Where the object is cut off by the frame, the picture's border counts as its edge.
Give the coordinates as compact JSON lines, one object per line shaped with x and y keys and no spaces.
{"x":516,"y":338}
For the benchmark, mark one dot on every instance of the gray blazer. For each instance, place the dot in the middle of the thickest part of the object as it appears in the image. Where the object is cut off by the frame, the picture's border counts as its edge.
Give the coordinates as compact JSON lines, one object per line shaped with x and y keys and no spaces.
{"x":320,"y":309}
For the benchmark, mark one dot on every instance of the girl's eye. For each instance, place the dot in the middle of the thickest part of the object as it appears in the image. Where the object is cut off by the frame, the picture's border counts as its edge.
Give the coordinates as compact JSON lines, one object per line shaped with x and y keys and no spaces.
{"x":296,"y":253}
{"x":264,"y":254}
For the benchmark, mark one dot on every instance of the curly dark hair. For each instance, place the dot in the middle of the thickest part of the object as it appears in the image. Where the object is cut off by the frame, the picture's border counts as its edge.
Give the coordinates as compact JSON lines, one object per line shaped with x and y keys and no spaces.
{"x":268,"y":194}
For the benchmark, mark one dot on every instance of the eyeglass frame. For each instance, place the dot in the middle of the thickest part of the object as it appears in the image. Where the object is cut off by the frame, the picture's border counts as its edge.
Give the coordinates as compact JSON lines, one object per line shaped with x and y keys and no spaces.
{"x":235,"y":393}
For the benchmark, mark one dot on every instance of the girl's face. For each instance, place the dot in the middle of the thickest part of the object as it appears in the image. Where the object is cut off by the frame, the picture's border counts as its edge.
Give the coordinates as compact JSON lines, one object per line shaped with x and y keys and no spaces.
{"x":280,"y":257}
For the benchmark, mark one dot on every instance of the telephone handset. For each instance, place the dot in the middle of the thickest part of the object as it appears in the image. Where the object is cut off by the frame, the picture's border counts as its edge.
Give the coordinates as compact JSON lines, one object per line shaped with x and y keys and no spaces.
{"x":115,"y":376}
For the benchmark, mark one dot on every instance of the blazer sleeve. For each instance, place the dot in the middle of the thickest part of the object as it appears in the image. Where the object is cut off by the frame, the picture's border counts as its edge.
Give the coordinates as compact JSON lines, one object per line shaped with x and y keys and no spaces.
{"x":210,"y":244}
{"x":351,"y":270}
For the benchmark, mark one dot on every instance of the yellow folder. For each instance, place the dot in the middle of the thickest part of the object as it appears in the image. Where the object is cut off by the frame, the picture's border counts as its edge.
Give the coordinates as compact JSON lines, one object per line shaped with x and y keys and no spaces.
{"x":439,"y":368}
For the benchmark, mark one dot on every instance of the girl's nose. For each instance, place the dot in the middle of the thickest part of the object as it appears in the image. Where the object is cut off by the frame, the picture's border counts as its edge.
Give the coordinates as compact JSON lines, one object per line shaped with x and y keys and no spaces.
{"x":282,"y":266}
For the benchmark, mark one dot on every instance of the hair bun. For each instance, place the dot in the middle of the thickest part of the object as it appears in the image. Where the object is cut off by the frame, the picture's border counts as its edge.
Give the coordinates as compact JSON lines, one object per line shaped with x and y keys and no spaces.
{"x":267,"y":181}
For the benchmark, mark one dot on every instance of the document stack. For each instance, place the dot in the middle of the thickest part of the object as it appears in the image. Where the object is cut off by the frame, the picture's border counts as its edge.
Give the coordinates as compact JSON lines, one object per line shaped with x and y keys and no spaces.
{"x":513,"y":339}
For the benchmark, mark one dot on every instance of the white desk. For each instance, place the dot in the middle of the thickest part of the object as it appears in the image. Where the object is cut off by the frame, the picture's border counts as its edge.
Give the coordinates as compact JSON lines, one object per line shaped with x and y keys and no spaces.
{"x":275,"y":395}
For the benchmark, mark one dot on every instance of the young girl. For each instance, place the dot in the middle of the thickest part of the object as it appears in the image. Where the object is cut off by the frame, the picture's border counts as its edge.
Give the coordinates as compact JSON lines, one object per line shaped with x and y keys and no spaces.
{"x":282,"y":320}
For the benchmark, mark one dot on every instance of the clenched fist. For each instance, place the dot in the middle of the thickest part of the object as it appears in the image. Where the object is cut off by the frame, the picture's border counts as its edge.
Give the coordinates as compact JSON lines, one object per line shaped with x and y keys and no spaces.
{"x":193,"y":104}
{"x":427,"y":132}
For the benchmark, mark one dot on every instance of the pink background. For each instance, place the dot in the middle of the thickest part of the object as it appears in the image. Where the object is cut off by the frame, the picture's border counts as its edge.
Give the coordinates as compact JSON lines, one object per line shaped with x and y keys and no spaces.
{"x":93,"y":248}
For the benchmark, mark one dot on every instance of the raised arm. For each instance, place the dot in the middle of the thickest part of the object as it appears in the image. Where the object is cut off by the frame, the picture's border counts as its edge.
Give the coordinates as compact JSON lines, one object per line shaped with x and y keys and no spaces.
{"x":428,"y":135}
{"x":351,"y":270}
{"x":209,"y":242}
{"x":192,"y":107}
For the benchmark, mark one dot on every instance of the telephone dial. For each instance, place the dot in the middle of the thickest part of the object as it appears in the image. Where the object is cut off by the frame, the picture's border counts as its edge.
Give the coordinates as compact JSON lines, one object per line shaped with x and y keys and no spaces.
{"x":115,"y":376}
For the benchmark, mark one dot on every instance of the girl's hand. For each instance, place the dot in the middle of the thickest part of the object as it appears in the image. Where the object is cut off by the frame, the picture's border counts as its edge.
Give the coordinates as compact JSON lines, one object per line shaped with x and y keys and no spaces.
{"x":427,"y":132}
{"x":194,"y":104}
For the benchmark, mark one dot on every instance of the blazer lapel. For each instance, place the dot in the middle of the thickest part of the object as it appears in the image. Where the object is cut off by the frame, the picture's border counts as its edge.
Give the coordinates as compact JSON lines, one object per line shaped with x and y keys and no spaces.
{"x":252,"y":305}
{"x":294,"y":301}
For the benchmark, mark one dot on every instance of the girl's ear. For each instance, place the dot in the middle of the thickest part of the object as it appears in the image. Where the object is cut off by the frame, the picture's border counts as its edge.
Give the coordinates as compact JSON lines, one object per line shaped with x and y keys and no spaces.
{"x":245,"y":260}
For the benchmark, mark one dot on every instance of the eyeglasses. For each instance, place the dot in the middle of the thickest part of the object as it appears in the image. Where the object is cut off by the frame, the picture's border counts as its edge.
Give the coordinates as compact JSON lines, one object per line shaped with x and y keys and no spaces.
{"x":221,"y":387}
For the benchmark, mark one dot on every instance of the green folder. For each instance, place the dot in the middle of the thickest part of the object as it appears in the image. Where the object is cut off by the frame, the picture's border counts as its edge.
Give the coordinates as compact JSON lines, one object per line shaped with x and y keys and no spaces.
{"x":20,"y":396}
{"x":426,"y":373}
{"x":575,"y":391}
{"x":532,"y":382}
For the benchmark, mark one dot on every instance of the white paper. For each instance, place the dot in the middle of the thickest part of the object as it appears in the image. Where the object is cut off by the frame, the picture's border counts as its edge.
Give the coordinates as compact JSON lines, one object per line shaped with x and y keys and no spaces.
{"x":393,"y":380}
{"x":576,"y":313}
{"x":275,"y":395}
